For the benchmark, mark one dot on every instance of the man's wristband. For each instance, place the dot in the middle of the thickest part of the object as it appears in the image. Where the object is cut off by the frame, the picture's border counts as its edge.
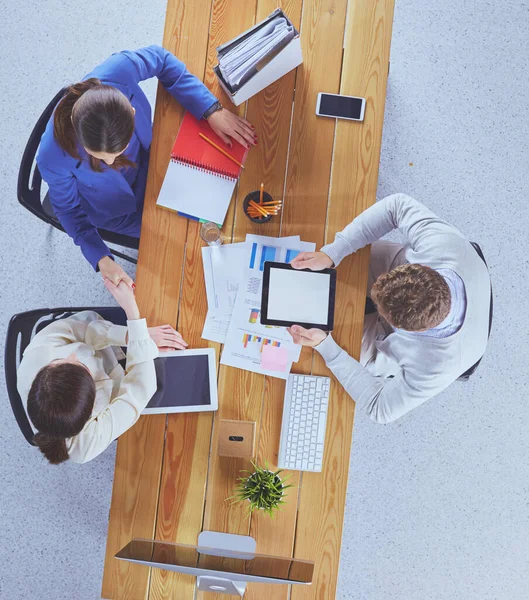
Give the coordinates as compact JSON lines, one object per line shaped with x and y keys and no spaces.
{"x":213,"y":108}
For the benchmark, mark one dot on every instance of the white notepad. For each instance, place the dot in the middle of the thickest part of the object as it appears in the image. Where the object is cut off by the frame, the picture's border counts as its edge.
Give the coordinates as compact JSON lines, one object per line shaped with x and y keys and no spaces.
{"x":196,"y":192}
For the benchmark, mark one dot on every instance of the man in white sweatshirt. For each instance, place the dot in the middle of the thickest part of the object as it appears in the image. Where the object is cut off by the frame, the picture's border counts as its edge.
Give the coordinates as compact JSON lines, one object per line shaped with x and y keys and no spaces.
{"x":432,"y":297}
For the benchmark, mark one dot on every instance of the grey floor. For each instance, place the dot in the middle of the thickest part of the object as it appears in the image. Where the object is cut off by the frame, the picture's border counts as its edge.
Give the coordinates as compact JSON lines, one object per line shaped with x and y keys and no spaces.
{"x":438,"y":503}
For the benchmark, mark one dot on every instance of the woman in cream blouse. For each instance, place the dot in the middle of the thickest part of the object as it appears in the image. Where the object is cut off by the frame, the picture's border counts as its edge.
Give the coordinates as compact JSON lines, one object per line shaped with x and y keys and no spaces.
{"x":78,"y":396}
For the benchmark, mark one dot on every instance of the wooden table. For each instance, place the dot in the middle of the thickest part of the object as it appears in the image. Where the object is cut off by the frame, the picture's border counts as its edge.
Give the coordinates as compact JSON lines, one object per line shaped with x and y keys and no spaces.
{"x":169,"y":483}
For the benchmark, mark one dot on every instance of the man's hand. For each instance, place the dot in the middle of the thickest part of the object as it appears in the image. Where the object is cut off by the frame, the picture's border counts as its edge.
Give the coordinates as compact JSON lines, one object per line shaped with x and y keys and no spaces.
{"x":110,"y":269}
{"x":227,"y":125}
{"x":167,"y":338}
{"x":315,"y":261}
{"x":306,"y":337}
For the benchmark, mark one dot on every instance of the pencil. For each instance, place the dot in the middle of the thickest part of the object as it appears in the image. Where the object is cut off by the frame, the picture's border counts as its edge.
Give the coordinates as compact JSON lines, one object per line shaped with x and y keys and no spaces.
{"x":258,"y":208}
{"x":261,"y":193}
{"x":221,"y":150}
{"x":255,"y":215}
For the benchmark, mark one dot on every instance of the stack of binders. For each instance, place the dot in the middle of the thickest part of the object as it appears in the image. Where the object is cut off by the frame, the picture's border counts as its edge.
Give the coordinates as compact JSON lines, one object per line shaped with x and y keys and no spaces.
{"x":258,"y":57}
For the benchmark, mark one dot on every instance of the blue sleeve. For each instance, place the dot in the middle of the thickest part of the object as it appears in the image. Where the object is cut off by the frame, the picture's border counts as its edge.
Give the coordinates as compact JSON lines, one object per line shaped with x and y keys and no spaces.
{"x":188,"y":90}
{"x":65,"y":202}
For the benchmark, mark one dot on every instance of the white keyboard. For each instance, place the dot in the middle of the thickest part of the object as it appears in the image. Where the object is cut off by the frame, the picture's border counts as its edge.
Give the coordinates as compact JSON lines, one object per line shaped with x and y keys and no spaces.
{"x":304,"y":422}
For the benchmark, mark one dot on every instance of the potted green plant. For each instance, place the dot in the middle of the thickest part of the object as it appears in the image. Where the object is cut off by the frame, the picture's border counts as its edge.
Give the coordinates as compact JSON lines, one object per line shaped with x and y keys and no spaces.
{"x":262,"y":488}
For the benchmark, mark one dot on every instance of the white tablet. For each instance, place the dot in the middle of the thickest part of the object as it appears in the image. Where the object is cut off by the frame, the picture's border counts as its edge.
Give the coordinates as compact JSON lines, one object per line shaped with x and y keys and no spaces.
{"x":187,"y":382}
{"x":298,"y":296}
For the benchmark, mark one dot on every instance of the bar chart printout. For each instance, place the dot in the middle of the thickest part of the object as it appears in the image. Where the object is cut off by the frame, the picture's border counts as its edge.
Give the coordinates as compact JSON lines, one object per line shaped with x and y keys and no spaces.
{"x":246,"y":336}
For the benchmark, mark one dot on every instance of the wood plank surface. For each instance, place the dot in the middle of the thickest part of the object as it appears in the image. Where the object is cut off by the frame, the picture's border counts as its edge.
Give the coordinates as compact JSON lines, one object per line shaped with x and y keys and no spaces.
{"x":312,"y":137}
{"x":240,"y":393}
{"x":354,"y":183}
{"x":188,"y":438}
{"x":272,"y":112}
{"x":135,"y":489}
{"x":175,"y":500}
{"x":186,"y":473}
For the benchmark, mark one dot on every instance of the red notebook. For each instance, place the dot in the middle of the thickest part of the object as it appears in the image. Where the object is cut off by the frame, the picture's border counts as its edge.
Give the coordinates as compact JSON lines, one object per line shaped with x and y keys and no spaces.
{"x":200,"y":180}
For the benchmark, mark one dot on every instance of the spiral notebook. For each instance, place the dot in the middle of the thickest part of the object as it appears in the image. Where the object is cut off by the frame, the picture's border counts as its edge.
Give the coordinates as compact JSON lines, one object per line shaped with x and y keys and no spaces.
{"x":200,"y":180}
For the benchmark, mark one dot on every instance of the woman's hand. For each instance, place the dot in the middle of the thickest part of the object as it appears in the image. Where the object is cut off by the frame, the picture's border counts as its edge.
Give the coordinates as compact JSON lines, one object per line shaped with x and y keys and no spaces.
{"x":167,"y":338}
{"x":315,"y":261}
{"x":110,"y":269}
{"x":306,"y":337}
{"x":124,"y":296}
{"x":228,"y":125}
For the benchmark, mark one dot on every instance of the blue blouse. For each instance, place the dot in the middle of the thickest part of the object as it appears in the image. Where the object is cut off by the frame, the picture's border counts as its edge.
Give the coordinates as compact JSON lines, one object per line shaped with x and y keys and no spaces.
{"x":85,"y":200}
{"x":133,"y":154}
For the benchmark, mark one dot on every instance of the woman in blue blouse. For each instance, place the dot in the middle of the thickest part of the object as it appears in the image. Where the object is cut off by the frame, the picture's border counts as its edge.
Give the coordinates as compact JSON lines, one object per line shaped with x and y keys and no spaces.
{"x":94,"y":153}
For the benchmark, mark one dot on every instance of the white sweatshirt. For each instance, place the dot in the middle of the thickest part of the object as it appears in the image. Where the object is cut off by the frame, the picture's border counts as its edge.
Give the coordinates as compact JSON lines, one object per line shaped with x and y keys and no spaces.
{"x":408,"y":370}
{"x":120,"y":396}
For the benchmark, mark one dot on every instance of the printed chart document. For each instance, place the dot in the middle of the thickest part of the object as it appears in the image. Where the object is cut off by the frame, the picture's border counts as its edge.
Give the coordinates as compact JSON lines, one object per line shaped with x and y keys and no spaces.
{"x":222,"y":286}
{"x":223,"y":269}
{"x":246,"y":336}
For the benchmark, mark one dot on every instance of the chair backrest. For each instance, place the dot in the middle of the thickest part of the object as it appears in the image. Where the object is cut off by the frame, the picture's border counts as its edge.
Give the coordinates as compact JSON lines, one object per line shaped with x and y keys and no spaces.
{"x":30,"y":183}
{"x":466,"y":375}
{"x":29,"y":186}
{"x":21,"y":329}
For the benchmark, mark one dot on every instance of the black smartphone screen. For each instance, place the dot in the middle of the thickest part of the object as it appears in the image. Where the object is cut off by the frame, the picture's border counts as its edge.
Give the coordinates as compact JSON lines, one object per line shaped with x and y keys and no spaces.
{"x":340,"y":106}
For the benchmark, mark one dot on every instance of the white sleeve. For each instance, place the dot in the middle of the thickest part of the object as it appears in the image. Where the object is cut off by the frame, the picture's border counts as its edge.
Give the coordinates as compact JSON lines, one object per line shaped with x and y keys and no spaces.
{"x":418,"y":224}
{"x":86,"y":327}
{"x":136,"y":389}
{"x":384,"y":399}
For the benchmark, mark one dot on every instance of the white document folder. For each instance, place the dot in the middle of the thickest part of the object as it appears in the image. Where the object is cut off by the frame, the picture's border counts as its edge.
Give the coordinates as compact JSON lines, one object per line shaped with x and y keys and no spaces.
{"x":286,"y":59}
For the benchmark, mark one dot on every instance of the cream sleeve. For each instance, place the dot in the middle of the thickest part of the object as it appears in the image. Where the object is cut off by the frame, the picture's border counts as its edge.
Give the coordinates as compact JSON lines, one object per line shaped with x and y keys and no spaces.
{"x":136,"y":389}
{"x":86,"y":327}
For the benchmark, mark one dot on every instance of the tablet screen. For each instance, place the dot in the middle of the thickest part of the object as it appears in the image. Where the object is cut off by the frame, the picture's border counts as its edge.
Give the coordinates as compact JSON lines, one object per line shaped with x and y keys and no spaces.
{"x":182,"y":381}
{"x":298,"y":296}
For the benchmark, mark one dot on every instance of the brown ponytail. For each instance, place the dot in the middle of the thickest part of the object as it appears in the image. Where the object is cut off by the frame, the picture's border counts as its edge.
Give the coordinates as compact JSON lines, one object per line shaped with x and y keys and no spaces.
{"x":103,"y":121}
{"x":54,"y":449}
{"x":60,"y":402}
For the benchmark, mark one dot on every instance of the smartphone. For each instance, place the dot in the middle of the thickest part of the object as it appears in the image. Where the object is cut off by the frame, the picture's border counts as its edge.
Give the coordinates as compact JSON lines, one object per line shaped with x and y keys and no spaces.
{"x":340,"y":107}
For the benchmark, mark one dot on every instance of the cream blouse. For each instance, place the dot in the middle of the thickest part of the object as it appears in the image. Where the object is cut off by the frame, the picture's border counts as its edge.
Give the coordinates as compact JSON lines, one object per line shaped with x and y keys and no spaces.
{"x":120,"y":395}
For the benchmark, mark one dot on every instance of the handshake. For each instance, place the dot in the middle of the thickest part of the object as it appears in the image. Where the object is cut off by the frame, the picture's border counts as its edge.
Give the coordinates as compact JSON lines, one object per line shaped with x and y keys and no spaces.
{"x":164,"y":336}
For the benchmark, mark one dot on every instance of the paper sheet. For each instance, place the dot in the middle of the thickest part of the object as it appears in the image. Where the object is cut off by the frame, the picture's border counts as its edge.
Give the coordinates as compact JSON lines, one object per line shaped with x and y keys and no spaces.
{"x":223,"y":269}
{"x":246,"y":336}
{"x":222,"y":284}
{"x":216,"y":328}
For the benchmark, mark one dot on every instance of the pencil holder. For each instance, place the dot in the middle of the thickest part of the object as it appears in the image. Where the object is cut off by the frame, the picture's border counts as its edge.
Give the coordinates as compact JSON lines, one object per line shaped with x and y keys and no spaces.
{"x":255,"y":197}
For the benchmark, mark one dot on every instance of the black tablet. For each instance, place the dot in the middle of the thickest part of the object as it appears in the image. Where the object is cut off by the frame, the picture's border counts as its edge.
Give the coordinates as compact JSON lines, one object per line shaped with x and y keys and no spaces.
{"x":298,"y":297}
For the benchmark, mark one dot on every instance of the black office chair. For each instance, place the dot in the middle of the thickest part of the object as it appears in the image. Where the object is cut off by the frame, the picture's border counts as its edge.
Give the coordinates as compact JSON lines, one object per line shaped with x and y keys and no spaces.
{"x":467,"y":374}
{"x":29,"y":187}
{"x":22,"y":327}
